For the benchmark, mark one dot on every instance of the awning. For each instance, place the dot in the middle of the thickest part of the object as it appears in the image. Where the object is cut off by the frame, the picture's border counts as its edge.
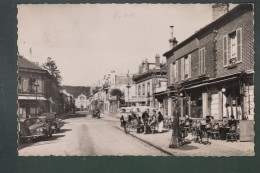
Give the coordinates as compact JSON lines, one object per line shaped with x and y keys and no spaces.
{"x":31,"y":98}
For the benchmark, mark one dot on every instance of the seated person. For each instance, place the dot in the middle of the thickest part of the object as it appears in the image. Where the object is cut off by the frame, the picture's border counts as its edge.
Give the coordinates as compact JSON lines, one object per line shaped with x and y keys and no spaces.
{"x":152,"y":121}
{"x":140,"y":127}
{"x":232,"y":121}
{"x":225,"y":122}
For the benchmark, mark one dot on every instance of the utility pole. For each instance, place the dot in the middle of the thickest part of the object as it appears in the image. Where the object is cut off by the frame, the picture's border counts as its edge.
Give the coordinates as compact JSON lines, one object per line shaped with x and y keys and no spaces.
{"x":128,"y":87}
{"x":36,"y":84}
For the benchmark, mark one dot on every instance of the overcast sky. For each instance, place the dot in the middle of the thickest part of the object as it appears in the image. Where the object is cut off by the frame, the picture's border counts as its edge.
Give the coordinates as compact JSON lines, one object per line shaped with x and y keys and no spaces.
{"x":87,"y":41}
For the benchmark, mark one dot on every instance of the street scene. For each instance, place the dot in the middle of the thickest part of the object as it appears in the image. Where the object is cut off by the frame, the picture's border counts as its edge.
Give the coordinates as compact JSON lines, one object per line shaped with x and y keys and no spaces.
{"x":136,"y":80}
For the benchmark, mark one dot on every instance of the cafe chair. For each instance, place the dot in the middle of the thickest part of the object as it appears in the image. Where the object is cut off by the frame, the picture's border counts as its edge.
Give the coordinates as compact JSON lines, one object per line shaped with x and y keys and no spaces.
{"x":232,"y":135}
{"x":187,"y":126}
{"x":215,"y":132}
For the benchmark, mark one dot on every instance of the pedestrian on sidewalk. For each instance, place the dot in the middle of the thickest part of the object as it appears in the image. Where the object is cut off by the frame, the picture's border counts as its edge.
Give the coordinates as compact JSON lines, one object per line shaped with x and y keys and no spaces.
{"x":145,"y":117}
{"x":160,"y":122}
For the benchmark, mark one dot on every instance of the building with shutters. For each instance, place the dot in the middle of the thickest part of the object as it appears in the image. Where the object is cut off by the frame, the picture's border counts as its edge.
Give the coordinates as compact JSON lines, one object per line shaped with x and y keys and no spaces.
{"x":214,"y":68}
{"x":38,"y":90}
{"x":150,"y":79}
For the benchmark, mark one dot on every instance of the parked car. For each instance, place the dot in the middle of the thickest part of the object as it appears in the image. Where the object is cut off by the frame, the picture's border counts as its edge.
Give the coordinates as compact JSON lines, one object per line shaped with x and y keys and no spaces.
{"x":35,"y":127}
{"x":55,"y":123}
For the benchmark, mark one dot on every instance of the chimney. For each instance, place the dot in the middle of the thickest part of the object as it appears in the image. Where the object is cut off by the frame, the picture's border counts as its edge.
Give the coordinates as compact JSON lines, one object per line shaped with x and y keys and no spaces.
{"x":146,"y":65}
{"x":173,"y":42}
{"x":140,"y":69}
{"x":157,"y":62}
{"x":219,"y":9}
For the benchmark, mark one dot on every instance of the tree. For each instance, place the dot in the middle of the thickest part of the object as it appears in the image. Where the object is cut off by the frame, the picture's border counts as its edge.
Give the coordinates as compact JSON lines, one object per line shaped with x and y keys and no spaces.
{"x":117,"y":92}
{"x":51,"y":66}
{"x":175,"y":131}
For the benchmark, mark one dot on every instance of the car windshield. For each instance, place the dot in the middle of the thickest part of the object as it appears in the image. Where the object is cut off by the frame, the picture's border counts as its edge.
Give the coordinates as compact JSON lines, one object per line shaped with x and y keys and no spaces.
{"x":32,"y":121}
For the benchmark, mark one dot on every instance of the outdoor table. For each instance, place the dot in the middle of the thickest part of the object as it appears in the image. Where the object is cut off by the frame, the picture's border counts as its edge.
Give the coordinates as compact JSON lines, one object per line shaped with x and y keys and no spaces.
{"x":223,"y":132}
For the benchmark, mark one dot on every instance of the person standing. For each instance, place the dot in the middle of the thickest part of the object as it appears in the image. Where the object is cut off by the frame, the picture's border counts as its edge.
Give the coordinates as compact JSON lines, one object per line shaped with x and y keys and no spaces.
{"x":145,"y":117}
{"x":160,"y":122}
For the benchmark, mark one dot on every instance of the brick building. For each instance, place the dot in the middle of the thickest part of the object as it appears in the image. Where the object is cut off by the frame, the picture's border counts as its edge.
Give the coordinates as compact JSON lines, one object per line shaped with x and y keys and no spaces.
{"x":150,"y":79}
{"x":214,"y":68}
{"x":38,"y":91}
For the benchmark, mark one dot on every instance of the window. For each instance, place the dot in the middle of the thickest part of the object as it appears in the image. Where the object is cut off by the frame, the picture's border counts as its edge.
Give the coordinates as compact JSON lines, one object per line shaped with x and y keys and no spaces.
{"x":186,"y":67}
{"x":139,"y":90}
{"x":174,"y":72}
{"x":31,"y":87}
{"x":20,"y":84}
{"x":148,"y":88}
{"x":232,"y":48}
{"x":202,"y":61}
{"x":143,"y":89}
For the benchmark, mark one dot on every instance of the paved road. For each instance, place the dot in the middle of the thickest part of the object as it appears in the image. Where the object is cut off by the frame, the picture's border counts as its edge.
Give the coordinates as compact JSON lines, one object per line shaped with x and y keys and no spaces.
{"x":84,"y":136}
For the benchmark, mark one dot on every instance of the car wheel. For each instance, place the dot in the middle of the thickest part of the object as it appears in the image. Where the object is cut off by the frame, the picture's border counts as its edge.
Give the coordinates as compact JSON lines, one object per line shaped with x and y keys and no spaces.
{"x":50,"y":135}
{"x":45,"y":136}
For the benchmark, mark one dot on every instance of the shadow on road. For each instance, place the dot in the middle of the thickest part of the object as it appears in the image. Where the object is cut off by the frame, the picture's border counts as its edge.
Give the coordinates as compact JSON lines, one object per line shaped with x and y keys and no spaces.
{"x":38,"y":141}
{"x":74,"y":116}
{"x":186,"y":146}
{"x":63,"y":130}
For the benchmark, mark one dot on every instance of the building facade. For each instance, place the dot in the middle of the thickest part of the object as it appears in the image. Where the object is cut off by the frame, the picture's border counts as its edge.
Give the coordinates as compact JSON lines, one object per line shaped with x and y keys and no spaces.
{"x":150,"y":79}
{"x":213,"y":69}
{"x":38,"y":91}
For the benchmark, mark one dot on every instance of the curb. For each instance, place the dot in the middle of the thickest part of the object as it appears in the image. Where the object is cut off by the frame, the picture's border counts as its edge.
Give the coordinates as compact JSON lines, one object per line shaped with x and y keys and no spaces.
{"x":149,"y":143}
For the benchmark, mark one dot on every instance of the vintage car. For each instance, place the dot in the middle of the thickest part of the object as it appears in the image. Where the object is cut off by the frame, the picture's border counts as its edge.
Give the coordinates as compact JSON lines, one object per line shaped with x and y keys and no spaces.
{"x":55,"y":123}
{"x":35,"y":127}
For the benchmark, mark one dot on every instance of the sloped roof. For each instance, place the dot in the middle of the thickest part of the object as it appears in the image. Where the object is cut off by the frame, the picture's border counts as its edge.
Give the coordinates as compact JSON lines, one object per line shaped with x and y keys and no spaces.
{"x":240,"y":9}
{"x":77,"y":90}
{"x":25,"y":63}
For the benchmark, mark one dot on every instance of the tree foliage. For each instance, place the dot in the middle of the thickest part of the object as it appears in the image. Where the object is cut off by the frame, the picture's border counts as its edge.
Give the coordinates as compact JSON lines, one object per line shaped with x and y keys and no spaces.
{"x":117,"y":92}
{"x":51,"y":66}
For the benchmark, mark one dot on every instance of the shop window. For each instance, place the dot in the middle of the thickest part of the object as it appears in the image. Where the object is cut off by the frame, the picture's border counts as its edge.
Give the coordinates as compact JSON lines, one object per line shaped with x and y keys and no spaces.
{"x":232,"y":48}
{"x":196,"y":105}
{"x":233,"y":103}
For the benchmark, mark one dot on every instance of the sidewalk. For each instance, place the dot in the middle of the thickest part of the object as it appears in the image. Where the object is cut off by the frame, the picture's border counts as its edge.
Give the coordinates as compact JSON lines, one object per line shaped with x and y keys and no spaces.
{"x":216,"y":148}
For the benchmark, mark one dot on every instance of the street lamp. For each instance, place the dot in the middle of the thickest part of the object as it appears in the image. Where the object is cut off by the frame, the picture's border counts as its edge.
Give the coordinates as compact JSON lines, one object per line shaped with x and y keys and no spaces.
{"x":223,"y":90}
{"x":36,"y":84}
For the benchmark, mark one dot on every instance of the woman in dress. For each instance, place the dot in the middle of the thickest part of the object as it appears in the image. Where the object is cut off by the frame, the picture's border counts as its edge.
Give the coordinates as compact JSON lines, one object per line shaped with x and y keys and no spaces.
{"x":160,"y":122}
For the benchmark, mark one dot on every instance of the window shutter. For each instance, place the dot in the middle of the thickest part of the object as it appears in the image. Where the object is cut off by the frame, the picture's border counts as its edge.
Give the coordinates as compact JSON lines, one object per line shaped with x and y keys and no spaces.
{"x":239,"y":45}
{"x":229,"y":50}
{"x":182,"y":69}
{"x":189,"y":65}
{"x":225,"y":50}
{"x":177,"y":64}
{"x":204,"y":60}
{"x":171,"y":73}
{"x":199,"y":61}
